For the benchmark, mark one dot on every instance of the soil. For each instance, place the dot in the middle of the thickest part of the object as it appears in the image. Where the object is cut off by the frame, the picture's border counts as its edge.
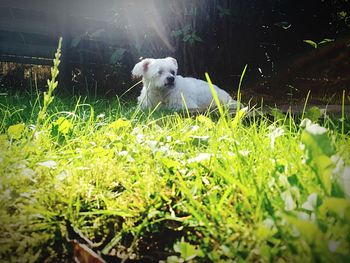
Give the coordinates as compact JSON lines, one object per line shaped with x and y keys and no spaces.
{"x":324,"y":72}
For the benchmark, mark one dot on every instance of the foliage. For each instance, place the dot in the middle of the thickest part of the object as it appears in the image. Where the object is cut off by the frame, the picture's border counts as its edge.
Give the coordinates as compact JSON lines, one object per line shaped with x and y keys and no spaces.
{"x":223,"y":11}
{"x":316,"y":45}
{"x":188,"y":35}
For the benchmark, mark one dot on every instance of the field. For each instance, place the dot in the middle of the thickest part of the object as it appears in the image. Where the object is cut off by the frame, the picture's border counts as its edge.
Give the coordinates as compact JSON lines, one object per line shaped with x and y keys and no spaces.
{"x":102,"y":180}
{"x":165,"y":186}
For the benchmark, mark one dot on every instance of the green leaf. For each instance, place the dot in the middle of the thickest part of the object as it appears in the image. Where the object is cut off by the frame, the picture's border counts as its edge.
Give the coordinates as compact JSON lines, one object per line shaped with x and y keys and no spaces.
{"x":196,"y":38}
{"x":16,"y":131}
{"x":310,"y":42}
{"x":293,"y":180}
{"x":120,"y":123}
{"x":316,"y":142}
{"x":205,"y":121}
{"x":265,"y":229}
{"x":338,"y":206}
{"x":342,"y":14}
{"x":169,"y":163}
{"x":326,"y":40}
{"x":283,"y":24}
{"x":186,"y":250}
{"x":117,"y":55}
{"x":186,"y":29}
{"x":55,"y":84}
{"x":277,"y":114}
{"x":199,"y":140}
{"x":191,"y":41}
{"x":314,"y":113}
{"x":186,"y":38}
{"x":308,"y":230}
{"x":223,"y":11}
{"x":324,"y":167}
{"x":265,"y":252}
{"x":176,"y":33}
{"x":318,"y":149}
{"x":64,"y":125}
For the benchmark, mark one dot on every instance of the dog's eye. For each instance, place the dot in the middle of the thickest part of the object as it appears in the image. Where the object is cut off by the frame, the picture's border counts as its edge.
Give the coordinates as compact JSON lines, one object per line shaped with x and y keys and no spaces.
{"x":160,"y":72}
{"x":172,"y":72}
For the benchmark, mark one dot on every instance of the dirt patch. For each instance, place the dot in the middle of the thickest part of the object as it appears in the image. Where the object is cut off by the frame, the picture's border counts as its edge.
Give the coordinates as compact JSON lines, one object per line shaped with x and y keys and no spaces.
{"x":323,"y":71}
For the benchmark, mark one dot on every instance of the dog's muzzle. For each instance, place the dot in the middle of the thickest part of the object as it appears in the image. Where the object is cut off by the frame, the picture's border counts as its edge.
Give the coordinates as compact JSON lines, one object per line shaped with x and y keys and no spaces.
{"x":170,"y":82}
{"x":170,"y":79}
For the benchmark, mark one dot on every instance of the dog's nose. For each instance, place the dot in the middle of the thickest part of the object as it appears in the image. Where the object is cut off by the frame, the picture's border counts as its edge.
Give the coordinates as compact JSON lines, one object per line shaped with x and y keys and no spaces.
{"x":170,"y":79}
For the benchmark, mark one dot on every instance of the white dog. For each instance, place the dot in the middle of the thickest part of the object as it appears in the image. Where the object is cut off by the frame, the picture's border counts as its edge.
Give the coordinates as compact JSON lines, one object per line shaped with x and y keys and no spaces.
{"x":161,"y":86}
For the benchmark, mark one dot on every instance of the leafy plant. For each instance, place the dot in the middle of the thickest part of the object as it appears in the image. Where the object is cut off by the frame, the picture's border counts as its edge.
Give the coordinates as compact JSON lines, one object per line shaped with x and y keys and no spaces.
{"x":187,"y":34}
{"x":117,"y":55}
{"x":187,"y":252}
{"x":223,"y":11}
{"x":313,"y":114}
{"x":316,"y":45}
{"x":15,"y":131}
{"x":283,"y":24}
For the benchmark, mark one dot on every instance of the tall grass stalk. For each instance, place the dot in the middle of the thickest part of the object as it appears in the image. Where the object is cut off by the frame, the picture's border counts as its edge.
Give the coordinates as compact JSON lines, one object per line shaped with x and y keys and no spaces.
{"x":52,"y":85}
{"x":306,"y":101}
{"x":239,"y":88}
{"x":343,"y":114}
{"x":215,"y":95}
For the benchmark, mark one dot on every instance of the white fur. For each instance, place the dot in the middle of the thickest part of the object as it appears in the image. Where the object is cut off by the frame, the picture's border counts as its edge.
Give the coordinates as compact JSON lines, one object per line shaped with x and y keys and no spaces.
{"x":157,"y":89}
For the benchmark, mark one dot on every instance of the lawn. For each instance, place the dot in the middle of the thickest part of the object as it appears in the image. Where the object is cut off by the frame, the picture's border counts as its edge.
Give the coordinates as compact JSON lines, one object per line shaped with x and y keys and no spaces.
{"x":81,"y":175}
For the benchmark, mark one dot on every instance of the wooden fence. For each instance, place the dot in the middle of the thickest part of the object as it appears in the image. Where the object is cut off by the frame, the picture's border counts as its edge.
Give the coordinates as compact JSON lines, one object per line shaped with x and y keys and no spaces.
{"x":29,"y":31}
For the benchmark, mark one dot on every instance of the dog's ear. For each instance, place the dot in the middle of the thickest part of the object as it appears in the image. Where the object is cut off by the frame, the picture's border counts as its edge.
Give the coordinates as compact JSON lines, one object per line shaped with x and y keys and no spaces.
{"x":173,"y":60}
{"x":141,"y":67}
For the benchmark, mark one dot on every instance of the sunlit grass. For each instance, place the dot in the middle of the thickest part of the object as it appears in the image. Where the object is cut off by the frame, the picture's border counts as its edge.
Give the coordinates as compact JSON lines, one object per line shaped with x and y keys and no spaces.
{"x":170,"y":186}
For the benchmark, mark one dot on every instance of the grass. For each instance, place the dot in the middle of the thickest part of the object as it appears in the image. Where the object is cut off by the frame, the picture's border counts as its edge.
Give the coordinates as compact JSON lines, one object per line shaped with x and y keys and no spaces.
{"x":171,"y":187}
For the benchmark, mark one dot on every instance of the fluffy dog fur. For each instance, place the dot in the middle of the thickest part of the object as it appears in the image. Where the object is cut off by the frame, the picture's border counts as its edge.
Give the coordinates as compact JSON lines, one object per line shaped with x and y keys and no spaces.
{"x":162,"y":85}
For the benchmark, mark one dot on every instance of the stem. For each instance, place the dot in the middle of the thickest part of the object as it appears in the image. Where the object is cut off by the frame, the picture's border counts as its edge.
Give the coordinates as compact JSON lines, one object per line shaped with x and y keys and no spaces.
{"x":306,"y":101}
{"x":343,"y":114}
{"x":239,"y":88}
{"x":52,"y":84}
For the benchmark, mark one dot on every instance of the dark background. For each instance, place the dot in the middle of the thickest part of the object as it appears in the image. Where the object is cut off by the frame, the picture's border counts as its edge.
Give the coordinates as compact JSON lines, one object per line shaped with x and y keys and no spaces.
{"x":104,"y":39}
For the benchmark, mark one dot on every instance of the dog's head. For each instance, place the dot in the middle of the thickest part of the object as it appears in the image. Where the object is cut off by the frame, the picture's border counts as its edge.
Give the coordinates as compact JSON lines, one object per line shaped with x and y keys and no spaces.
{"x":159,"y":73}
